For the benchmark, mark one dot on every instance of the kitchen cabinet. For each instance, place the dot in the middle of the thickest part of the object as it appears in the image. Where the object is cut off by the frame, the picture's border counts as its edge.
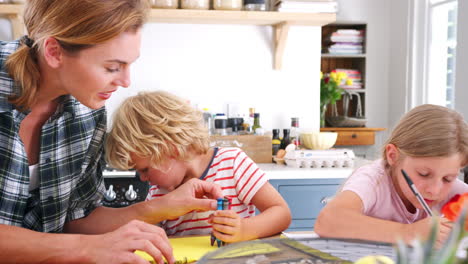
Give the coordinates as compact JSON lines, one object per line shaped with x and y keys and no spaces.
{"x":306,"y":197}
{"x":355,"y":60}
{"x":339,"y":51}
{"x":280,"y":21}
{"x":351,"y":136}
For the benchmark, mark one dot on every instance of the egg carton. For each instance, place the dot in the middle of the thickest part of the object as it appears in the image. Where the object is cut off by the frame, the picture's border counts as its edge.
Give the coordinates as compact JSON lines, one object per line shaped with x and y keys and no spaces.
{"x":331,"y":158}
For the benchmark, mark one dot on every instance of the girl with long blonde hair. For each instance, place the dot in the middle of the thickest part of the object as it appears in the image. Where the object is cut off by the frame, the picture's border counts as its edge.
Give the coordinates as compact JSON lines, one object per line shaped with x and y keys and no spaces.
{"x":430,"y":143}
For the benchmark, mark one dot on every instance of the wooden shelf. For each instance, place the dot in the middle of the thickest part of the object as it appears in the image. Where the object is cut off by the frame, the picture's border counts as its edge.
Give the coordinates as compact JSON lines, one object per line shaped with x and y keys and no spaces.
{"x":328,"y":55}
{"x":337,"y":129}
{"x":281,"y":21}
{"x":11,"y":9}
{"x":363,"y":90}
{"x":262,"y":18}
{"x":352,"y":136}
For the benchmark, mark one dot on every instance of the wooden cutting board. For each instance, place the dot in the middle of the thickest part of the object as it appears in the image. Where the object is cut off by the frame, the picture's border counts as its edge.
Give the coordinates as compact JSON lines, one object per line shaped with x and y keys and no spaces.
{"x":258,"y":148}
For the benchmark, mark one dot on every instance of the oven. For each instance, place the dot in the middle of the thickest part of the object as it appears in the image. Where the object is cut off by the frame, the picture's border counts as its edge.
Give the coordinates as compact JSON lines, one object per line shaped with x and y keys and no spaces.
{"x":123,"y":188}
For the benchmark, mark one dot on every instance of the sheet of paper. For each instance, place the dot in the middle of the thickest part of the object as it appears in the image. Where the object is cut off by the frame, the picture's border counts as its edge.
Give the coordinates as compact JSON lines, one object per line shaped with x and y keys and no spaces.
{"x":186,"y":249}
{"x":301,"y":235}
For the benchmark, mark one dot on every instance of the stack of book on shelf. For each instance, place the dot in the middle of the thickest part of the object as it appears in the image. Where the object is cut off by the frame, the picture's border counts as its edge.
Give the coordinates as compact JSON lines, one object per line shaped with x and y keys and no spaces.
{"x":352,"y":74}
{"x":306,"y":6}
{"x":346,"y":41}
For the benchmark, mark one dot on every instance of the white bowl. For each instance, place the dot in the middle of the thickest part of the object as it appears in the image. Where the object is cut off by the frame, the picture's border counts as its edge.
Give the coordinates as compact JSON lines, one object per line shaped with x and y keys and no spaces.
{"x":319,"y":140}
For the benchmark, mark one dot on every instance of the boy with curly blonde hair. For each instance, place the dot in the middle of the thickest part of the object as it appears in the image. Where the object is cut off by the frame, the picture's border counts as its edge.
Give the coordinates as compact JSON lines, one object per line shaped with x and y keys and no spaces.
{"x":164,"y":139}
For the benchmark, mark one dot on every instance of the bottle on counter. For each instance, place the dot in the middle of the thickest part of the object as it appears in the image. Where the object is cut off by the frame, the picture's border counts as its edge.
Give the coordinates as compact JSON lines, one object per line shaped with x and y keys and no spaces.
{"x":208,"y":120}
{"x":235,"y":124}
{"x":295,"y":132}
{"x":286,"y":140}
{"x":251,"y":119}
{"x":221,"y":124}
{"x":256,"y":126}
{"x":275,"y":141}
{"x":246,"y":128}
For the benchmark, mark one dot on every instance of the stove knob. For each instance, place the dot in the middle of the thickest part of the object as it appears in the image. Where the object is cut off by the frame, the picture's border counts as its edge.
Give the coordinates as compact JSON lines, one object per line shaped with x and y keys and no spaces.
{"x":110,"y":195}
{"x":130,"y":195}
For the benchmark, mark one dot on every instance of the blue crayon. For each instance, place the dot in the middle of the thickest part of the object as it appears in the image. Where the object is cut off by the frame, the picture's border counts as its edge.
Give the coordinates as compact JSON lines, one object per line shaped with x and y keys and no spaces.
{"x":223,"y":203}
{"x":220,"y":207}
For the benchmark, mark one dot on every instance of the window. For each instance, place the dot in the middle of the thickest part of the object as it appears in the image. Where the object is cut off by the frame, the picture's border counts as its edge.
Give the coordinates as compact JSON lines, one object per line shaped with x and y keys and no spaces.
{"x":442,"y":43}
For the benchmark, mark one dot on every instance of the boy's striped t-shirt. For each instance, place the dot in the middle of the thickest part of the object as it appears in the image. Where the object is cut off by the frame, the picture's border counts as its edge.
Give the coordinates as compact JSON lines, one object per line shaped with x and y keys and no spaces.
{"x":240,"y":179}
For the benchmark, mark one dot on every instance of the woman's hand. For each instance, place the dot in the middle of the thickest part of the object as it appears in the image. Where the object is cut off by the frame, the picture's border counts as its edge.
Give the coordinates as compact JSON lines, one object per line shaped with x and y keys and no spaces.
{"x":227,"y":226}
{"x":194,"y":195}
{"x":118,"y":246}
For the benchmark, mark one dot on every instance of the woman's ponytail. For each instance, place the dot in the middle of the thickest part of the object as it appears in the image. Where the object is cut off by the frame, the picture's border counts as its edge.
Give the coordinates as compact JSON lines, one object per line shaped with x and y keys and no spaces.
{"x":23,"y":67}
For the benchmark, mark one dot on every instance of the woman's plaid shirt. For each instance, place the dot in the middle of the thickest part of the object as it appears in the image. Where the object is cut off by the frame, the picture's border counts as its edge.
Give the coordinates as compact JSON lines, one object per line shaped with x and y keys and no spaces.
{"x":70,"y":161}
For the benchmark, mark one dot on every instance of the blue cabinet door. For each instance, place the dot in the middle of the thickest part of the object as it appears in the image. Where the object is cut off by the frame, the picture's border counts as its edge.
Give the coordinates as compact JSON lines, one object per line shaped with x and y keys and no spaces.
{"x":306,"y":197}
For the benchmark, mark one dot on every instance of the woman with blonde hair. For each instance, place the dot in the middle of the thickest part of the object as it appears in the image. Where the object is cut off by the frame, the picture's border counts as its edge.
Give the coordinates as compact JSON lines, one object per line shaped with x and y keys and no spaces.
{"x":429,"y":144}
{"x":53,"y":86}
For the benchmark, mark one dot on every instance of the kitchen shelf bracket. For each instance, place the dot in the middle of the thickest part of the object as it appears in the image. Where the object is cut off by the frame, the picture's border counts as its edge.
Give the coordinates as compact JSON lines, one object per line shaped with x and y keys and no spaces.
{"x":17,"y":25}
{"x":281,"y":31}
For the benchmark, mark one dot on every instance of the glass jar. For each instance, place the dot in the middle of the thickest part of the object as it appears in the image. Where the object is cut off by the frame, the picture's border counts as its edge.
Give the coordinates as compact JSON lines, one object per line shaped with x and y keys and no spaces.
{"x":166,"y":4}
{"x":195,"y":4}
{"x":255,"y":5}
{"x":221,"y":124}
{"x":227,"y":4}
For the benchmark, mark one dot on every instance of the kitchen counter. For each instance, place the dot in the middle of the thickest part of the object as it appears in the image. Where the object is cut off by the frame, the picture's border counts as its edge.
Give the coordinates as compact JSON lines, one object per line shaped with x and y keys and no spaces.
{"x":281,"y":171}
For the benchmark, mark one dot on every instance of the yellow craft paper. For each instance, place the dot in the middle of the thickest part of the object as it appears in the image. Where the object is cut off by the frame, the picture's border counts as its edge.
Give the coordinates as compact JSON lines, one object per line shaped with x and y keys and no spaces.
{"x":185,"y":249}
{"x":248,"y":249}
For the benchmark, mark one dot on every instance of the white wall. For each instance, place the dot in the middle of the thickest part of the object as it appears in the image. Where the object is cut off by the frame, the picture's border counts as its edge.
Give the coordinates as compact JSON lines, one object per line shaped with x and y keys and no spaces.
{"x":399,"y":59}
{"x":5,"y":29}
{"x":213,"y":65}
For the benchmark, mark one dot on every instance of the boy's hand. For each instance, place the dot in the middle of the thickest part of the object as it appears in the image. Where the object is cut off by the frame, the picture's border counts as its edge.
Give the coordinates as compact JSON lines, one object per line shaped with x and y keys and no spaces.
{"x":227,"y":226}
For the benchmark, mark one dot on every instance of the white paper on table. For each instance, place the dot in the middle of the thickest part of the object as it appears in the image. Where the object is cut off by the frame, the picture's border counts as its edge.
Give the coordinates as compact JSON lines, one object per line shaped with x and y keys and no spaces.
{"x":300,"y":235}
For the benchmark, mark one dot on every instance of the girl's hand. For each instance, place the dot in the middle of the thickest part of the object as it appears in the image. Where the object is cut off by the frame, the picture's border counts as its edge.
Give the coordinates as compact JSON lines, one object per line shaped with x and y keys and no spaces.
{"x":227,"y":226}
{"x":445,"y":227}
{"x":423,"y":227}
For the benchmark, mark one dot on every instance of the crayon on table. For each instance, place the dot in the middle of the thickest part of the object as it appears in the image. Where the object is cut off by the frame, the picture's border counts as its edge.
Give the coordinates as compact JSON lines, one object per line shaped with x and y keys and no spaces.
{"x":213,"y":238}
{"x":223,"y":204}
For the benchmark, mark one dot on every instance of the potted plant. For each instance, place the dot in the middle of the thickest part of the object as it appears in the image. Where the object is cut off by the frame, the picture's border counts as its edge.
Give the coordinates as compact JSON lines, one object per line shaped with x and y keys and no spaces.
{"x":330,"y":90}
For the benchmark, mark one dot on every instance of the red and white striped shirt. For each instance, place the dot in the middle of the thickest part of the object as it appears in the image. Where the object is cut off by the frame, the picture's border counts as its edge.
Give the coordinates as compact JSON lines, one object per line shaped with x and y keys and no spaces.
{"x":239,"y":178}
